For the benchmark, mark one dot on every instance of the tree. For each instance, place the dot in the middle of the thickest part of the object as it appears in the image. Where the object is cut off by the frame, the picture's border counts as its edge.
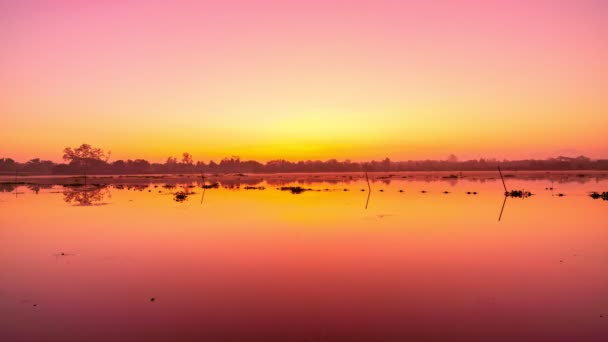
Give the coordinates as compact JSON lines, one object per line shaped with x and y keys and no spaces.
{"x":37,"y":165}
{"x":85,"y":155}
{"x":7,"y":164}
{"x":171,"y":161}
{"x":452,"y":158}
{"x":187,"y":158}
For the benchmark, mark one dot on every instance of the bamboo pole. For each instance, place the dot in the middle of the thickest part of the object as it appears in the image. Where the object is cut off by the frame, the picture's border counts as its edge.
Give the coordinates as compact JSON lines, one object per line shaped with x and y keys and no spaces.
{"x":503,"y":180}
{"x":369,"y":190}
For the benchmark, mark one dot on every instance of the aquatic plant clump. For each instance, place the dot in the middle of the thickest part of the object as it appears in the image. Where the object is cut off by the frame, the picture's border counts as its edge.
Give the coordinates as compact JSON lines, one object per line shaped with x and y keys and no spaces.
{"x":603,"y":195}
{"x":180,"y":196}
{"x":254,"y":188}
{"x":294,"y":189}
{"x":518,"y":193}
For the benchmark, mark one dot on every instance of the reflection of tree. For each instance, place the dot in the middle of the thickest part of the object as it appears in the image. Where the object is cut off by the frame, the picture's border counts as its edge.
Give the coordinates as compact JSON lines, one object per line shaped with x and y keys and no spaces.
{"x":86,"y":196}
{"x":36,"y":187}
{"x":7,"y":187}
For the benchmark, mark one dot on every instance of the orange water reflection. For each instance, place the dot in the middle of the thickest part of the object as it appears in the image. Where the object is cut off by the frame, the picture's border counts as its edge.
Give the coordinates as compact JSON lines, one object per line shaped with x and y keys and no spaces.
{"x":268,"y":265}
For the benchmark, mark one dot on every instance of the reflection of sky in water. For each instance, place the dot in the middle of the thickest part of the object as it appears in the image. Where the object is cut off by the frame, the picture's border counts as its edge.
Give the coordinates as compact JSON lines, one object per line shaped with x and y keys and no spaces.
{"x":268,"y":264}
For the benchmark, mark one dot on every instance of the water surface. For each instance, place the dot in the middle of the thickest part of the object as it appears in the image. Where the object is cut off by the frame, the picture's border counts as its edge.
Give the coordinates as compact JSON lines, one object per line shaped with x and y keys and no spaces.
{"x":82,"y":263}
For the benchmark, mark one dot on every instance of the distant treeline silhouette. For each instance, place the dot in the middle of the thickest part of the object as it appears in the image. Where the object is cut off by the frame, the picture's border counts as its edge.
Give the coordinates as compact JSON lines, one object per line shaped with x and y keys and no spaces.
{"x":91,"y":163}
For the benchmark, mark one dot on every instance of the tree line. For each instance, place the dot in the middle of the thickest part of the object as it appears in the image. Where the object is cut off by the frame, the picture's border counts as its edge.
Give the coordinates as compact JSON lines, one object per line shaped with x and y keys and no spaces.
{"x":86,"y":159}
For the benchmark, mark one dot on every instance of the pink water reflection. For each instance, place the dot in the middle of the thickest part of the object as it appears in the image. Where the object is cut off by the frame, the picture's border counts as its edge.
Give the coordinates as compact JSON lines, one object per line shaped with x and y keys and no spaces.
{"x":266,"y":265}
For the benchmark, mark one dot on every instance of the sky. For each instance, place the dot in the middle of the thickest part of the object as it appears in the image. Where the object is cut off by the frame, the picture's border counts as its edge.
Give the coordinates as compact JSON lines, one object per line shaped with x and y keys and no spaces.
{"x":281,"y":79}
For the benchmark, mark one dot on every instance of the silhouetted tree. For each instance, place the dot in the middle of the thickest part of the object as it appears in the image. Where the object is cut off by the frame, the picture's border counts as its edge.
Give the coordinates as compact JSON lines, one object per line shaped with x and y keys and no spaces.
{"x":85,"y":155}
{"x":187,"y":158}
{"x":38,"y":166}
{"x":8,"y":165}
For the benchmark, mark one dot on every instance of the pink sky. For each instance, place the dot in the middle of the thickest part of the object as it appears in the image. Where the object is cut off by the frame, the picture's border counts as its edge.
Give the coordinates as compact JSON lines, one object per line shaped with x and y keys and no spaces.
{"x":304,"y":79}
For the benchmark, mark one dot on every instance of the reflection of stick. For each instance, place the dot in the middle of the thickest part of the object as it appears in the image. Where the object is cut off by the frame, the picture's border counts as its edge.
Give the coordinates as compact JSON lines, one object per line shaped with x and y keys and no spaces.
{"x":503,"y":180}
{"x":503,"y":208}
{"x":203,"y":177}
{"x":369,"y":190}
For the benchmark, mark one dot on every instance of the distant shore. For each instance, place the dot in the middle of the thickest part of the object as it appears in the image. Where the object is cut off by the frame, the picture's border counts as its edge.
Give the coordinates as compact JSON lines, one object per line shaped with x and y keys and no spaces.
{"x":580,"y":176}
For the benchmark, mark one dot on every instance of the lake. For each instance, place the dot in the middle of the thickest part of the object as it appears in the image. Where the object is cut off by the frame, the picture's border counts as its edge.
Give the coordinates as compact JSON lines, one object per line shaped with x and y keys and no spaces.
{"x":160,"y":258}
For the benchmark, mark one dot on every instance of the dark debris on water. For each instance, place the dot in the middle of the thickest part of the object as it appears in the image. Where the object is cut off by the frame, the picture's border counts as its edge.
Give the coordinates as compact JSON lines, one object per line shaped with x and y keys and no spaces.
{"x":294,"y":189}
{"x":603,"y":195}
{"x":518,"y":193}
{"x":180,"y":196}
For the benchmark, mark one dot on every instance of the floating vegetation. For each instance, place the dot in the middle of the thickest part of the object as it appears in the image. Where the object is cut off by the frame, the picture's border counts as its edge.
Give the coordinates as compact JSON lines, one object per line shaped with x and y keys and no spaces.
{"x":294,"y":189}
{"x":254,"y":188}
{"x":169,"y":186}
{"x":137,"y":187}
{"x":603,"y":195}
{"x":450,"y":177}
{"x":180,"y":196}
{"x":518,"y":193}
{"x":211,"y":186}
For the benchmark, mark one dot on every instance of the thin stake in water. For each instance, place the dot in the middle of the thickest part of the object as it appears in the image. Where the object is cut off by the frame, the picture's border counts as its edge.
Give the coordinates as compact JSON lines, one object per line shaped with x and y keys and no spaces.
{"x":369,"y":190}
{"x":506,"y":194}
{"x":503,"y":180}
{"x":203,"y":177}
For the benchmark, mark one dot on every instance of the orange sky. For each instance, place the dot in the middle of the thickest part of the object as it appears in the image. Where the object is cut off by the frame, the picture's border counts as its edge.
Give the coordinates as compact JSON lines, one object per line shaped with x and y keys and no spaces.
{"x":304,"y":80}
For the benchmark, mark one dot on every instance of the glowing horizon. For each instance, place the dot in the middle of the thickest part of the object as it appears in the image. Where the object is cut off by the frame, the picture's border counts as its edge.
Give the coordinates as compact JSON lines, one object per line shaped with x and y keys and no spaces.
{"x":305,"y":80}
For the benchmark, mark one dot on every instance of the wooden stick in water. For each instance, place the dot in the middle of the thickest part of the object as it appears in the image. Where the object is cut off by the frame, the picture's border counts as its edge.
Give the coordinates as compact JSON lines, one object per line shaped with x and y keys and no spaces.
{"x":503,"y":180}
{"x":203,"y":177}
{"x":369,"y":190}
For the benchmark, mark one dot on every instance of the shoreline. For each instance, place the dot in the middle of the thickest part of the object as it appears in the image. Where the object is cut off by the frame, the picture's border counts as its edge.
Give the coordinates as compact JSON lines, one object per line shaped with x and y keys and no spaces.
{"x":580,"y":176}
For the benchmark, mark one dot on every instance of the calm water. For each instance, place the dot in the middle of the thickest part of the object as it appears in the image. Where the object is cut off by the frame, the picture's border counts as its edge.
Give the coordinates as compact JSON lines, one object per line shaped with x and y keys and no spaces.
{"x":82,"y":264}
